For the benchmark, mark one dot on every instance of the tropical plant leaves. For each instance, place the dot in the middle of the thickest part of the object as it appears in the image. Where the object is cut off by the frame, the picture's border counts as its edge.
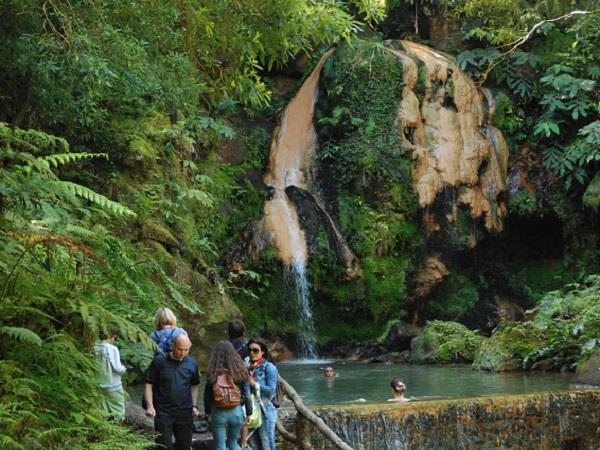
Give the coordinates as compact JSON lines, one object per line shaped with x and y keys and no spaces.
{"x":21,"y":334}
{"x":94,"y":197}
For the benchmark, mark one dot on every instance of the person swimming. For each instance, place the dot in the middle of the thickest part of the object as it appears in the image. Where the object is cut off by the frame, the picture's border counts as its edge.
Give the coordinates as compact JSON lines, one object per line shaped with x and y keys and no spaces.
{"x":329,"y":372}
{"x":398,"y":389}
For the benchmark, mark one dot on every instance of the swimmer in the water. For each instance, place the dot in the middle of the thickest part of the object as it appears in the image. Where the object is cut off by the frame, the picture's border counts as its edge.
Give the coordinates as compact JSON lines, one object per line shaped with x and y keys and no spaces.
{"x":398,"y":390}
{"x":329,"y":372}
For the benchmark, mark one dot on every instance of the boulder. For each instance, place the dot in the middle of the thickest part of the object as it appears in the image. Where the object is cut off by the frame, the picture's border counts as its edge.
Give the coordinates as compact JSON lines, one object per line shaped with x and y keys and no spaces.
{"x":232,"y":151}
{"x":136,"y":417}
{"x":279,"y":350}
{"x":589,"y":371}
{"x":399,"y":337}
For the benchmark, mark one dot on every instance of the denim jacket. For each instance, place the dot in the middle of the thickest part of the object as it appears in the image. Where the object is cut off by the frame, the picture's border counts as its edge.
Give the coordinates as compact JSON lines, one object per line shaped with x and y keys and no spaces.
{"x":266,"y":376}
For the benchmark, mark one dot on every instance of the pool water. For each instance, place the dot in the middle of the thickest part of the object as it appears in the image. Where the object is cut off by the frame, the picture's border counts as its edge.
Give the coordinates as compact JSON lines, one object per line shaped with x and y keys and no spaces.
{"x":370,"y":382}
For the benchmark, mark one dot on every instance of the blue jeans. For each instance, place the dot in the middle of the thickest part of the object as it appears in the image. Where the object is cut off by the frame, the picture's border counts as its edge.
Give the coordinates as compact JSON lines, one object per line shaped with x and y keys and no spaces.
{"x":226,"y":425}
{"x":264,"y":437}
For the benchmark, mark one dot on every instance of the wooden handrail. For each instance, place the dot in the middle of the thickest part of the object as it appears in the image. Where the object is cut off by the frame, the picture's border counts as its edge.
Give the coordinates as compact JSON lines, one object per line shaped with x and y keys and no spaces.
{"x":305,"y":412}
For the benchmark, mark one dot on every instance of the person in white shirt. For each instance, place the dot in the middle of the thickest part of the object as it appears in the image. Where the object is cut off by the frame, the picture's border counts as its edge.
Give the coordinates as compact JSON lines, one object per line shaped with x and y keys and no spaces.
{"x":109,"y":376}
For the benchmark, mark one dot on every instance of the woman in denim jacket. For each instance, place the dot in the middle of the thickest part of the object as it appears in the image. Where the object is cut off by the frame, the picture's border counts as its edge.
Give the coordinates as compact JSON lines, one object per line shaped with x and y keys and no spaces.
{"x":264,"y":373}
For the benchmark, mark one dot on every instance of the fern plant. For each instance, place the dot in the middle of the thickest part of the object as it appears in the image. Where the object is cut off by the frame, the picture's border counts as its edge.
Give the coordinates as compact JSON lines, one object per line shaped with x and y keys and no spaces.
{"x":53,"y":301}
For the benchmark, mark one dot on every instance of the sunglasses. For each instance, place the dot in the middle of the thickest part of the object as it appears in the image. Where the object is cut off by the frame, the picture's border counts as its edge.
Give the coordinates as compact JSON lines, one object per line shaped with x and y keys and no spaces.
{"x":254,"y":350}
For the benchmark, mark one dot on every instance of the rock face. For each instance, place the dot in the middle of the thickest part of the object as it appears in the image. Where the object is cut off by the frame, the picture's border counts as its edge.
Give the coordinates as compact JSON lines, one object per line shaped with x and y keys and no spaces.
{"x":432,"y":273}
{"x":540,"y":421}
{"x":291,"y":156}
{"x":400,"y":336}
{"x":589,"y":372}
{"x":451,"y":143}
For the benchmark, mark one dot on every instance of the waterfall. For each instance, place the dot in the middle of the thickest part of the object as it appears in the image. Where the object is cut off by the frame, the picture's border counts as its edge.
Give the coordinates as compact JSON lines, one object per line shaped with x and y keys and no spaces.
{"x":297,"y":275}
{"x":292,"y":151}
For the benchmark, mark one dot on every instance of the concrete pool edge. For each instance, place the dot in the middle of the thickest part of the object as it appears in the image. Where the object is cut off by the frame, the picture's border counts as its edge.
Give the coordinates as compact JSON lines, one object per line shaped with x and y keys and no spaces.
{"x":545,"y":420}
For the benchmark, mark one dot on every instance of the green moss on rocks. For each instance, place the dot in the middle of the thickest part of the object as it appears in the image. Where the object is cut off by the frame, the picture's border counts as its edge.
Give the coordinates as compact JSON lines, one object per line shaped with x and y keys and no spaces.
{"x":591,"y":196}
{"x":365,"y":175}
{"x":445,"y":342}
{"x":506,"y":349}
{"x":455,"y":297}
{"x":523,"y":203}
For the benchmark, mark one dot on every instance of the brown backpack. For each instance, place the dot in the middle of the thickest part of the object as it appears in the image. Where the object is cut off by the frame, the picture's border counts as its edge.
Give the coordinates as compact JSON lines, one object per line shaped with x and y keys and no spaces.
{"x":226,"y":394}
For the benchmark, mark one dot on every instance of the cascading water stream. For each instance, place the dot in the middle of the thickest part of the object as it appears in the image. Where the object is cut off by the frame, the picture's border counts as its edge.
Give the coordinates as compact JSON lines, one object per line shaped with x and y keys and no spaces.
{"x":296,"y":273}
{"x":292,"y":151}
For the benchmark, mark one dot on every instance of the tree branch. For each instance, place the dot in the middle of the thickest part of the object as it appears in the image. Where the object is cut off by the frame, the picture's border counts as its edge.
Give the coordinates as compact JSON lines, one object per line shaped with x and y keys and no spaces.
{"x":517,"y":43}
{"x":312,"y":417}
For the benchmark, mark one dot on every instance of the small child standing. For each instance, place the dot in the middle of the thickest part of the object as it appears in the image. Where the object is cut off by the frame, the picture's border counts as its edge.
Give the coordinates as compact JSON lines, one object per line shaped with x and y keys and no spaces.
{"x":110,"y":373}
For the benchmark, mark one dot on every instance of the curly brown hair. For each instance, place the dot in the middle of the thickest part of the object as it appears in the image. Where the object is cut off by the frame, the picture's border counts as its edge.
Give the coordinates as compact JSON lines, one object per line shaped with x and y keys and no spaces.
{"x":225,"y":357}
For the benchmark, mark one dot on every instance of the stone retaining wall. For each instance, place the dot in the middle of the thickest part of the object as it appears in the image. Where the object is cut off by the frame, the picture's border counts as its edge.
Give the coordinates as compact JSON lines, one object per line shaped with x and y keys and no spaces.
{"x":567,"y":420}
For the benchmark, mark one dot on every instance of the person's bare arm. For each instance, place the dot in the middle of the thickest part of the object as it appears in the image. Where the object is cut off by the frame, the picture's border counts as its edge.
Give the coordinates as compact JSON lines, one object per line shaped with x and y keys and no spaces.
{"x":195,"y":411}
{"x":150,"y":411}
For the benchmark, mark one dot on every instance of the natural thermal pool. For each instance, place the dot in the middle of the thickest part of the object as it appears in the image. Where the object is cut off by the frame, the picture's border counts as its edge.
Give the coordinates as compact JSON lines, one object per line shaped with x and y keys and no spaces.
{"x":371,"y":382}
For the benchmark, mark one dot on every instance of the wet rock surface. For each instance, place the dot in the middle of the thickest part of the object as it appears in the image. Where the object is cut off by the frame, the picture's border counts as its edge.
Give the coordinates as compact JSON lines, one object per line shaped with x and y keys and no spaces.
{"x":589,"y":372}
{"x":533,"y":421}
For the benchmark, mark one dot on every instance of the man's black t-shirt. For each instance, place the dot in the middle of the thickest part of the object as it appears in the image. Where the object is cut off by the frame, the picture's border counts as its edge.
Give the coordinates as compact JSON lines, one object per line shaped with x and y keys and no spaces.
{"x":171,"y":382}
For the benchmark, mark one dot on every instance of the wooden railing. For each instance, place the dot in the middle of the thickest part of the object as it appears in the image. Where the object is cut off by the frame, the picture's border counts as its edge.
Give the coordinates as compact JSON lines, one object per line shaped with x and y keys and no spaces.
{"x":305,"y":416}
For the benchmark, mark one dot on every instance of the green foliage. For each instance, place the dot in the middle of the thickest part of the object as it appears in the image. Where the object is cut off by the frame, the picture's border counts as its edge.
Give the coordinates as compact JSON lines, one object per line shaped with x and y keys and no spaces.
{"x":562,"y":102}
{"x":508,"y":346}
{"x":359,"y":143}
{"x":455,"y":297}
{"x":523,"y":203}
{"x":591,"y":197}
{"x":535,"y":279}
{"x":374,"y":203}
{"x":445,"y":342}
{"x":62,"y":280}
{"x":564,"y":329}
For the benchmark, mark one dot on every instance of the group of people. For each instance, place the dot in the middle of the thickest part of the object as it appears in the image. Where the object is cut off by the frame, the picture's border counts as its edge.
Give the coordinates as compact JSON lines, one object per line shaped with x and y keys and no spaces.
{"x":247,"y":365}
{"x":241,"y":382}
{"x":240,"y":379}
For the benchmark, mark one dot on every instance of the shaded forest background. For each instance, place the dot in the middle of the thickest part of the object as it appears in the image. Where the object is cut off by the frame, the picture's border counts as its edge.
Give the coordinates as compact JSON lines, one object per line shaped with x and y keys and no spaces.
{"x":133,"y":139}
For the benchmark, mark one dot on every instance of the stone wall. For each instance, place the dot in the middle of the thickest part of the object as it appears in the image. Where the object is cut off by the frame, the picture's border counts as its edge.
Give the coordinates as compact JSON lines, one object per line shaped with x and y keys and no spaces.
{"x":568,"y":420}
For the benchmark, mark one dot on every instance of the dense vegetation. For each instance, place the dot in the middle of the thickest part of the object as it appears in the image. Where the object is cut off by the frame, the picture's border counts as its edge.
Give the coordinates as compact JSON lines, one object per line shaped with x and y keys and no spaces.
{"x":133,"y":136}
{"x":111,"y":194}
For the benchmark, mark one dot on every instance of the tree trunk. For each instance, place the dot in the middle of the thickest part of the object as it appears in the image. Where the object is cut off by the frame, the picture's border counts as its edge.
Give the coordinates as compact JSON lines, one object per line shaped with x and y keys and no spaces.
{"x":312,"y":418}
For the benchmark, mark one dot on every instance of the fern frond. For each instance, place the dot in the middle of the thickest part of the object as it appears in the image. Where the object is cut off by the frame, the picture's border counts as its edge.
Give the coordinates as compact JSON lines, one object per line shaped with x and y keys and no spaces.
{"x":190,"y":305}
{"x":9,"y":443}
{"x":65,"y":158}
{"x":202,"y":197}
{"x":22,"y":334}
{"x":33,"y":239}
{"x":94,"y":197}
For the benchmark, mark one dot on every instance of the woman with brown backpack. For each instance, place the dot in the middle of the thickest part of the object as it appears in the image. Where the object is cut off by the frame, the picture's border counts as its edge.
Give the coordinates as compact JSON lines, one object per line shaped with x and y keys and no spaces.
{"x":225,"y":392}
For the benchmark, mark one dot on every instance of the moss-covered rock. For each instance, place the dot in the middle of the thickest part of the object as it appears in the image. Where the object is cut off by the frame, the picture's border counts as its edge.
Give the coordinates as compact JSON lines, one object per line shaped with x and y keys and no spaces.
{"x":591,"y":196}
{"x":506,"y":349}
{"x":589,"y":371}
{"x":445,"y":342}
